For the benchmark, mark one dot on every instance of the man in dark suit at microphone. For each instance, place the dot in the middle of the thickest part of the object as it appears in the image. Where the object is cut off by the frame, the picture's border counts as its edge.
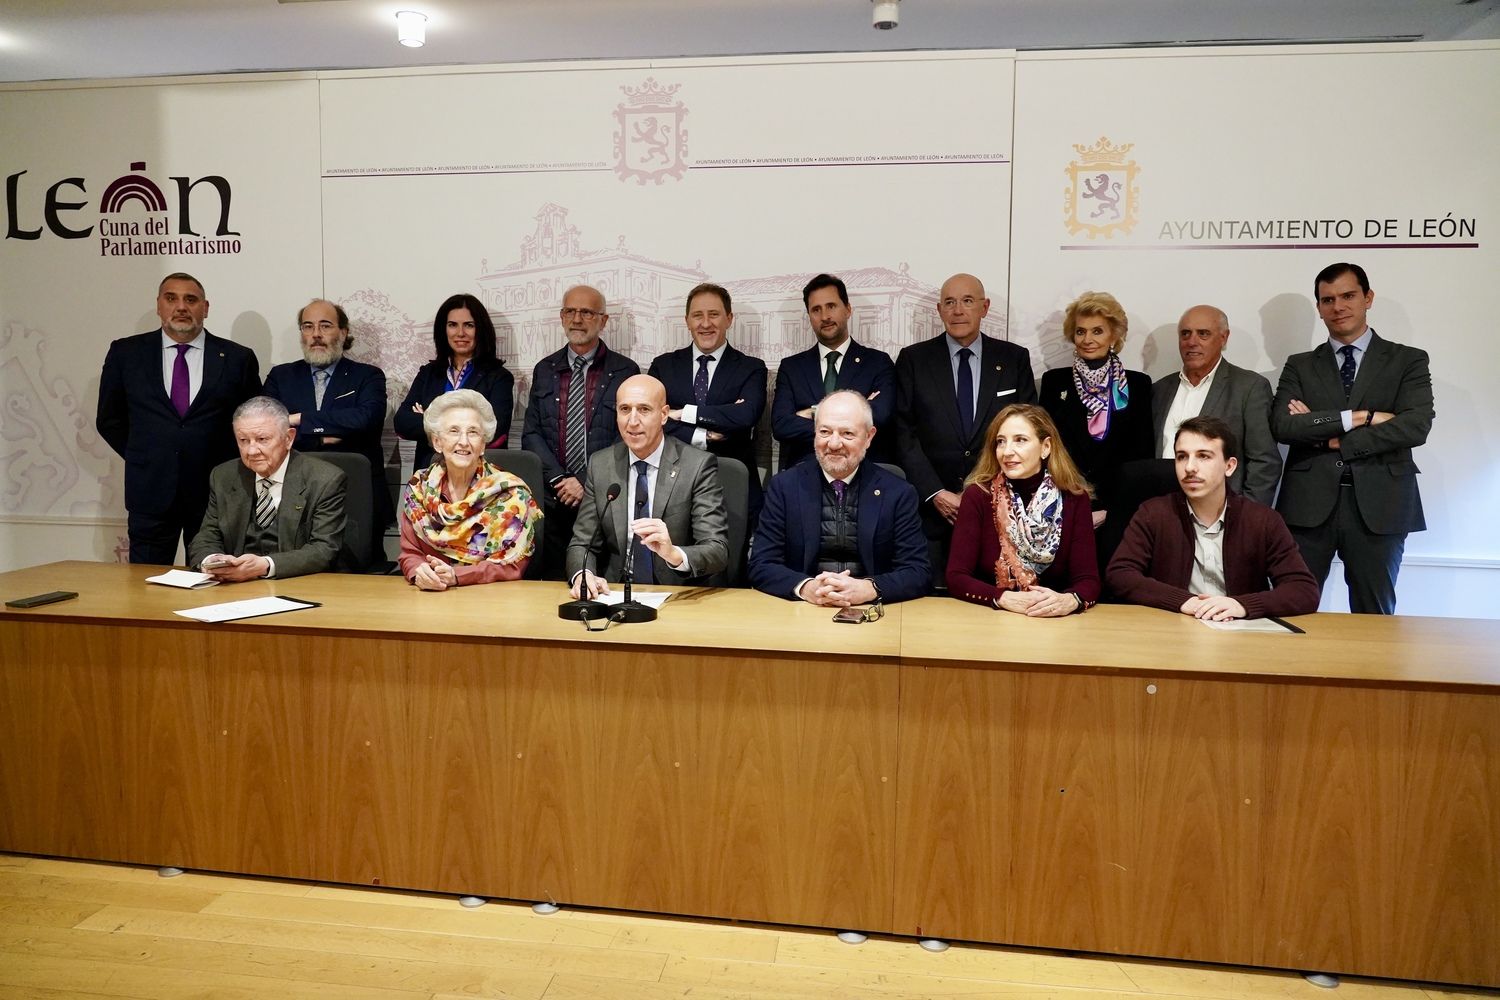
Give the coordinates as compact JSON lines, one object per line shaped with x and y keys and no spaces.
{"x":670,"y":506}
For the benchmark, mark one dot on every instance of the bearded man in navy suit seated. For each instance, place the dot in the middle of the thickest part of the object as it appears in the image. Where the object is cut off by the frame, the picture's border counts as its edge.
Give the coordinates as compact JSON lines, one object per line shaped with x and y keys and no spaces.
{"x":840,"y":531}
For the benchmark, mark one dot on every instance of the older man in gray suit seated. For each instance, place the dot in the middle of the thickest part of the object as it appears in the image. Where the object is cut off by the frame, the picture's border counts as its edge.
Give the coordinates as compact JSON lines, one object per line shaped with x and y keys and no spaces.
{"x":669,"y":505}
{"x":272,"y":512}
{"x":1209,"y":386}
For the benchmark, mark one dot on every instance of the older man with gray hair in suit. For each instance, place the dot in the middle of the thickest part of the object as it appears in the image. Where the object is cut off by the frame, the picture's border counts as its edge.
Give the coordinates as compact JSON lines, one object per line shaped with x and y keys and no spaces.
{"x":1210,"y":386}
{"x":272,"y":511}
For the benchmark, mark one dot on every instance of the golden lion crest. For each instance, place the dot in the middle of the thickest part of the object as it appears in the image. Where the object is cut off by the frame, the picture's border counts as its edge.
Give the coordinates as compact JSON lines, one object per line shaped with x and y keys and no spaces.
{"x":1102,"y":197}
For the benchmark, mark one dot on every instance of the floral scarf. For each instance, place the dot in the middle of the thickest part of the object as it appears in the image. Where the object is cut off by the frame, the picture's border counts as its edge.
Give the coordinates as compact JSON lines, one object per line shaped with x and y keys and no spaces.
{"x":495,"y":522}
{"x":1030,"y":533}
{"x":1103,"y":390}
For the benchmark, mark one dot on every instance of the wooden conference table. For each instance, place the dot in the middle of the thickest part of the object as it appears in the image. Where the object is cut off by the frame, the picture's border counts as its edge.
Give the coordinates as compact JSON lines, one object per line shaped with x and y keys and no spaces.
{"x":1125,"y":781}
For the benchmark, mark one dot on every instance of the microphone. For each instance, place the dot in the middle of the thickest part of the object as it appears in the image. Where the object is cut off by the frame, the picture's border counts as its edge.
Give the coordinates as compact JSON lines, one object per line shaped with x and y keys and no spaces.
{"x":586,"y":607}
{"x":631,"y":610}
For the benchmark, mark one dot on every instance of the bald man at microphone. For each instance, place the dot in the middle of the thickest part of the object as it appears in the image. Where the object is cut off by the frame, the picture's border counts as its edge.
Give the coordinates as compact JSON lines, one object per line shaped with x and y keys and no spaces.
{"x":650,"y":492}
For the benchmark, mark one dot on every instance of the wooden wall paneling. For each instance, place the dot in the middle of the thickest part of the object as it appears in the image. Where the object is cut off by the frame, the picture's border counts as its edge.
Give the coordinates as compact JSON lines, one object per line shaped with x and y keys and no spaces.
{"x":62,"y":747}
{"x":953,"y":860}
{"x":171,"y":775}
{"x":1379,"y":855}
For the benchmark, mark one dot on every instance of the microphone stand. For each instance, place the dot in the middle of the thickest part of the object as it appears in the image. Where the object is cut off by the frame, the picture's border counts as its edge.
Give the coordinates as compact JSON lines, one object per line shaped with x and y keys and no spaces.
{"x":586,"y":609}
{"x":631,"y":611}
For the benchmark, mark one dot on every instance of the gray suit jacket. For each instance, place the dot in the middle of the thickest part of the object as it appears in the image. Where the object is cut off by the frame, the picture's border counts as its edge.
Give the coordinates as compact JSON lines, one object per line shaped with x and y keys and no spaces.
{"x":1393,"y":378}
{"x":1242,"y":399}
{"x":309,"y":521}
{"x":688,"y":499}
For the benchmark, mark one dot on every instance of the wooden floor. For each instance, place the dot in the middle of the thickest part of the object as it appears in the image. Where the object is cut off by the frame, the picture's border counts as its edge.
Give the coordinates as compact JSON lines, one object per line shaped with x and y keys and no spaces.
{"x":77,"y":929}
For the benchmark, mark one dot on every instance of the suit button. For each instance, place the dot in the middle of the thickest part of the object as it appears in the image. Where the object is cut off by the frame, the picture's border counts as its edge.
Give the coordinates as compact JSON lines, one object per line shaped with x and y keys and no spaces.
{"x":1340,"y":463}
{"x":967,"y":454}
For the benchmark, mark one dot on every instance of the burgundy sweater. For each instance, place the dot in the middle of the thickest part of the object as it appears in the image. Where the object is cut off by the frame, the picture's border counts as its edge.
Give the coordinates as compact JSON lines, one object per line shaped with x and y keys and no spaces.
{"x":976,"y":546}
{"x":1154,"y":562}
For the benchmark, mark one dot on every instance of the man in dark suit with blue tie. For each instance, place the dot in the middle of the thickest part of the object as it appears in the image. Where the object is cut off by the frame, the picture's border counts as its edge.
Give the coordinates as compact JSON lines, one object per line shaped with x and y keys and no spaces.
{"x":834,"y":362}
{"x":166,"y":399}
{"x":336,"y":404}
{"x":1351,"y":410}
{"x":715,"y":394}
{"x":948,"y":389}
{"x":840,"y":531}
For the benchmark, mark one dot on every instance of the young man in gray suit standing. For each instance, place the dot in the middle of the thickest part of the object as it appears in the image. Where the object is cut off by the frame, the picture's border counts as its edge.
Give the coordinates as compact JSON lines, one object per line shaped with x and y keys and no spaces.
{"x":1352,"y":409}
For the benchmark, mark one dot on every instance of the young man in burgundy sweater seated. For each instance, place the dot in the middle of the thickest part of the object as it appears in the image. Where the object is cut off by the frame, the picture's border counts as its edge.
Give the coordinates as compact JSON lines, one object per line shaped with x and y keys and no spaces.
{"x":1207,"y":552}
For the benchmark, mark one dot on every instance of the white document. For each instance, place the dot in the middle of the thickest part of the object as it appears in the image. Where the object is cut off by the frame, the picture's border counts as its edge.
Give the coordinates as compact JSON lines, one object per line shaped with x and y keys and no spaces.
{"x":184,"y":578}
{"x":650,"y":598}
{"x":252,"y":608}
{"x":1250,"y":625}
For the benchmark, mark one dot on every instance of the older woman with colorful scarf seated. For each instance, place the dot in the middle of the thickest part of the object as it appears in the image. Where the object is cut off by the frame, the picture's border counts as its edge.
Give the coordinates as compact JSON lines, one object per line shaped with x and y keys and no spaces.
{"x":464,"y":521}
{"x":1102,"y":412}
{"x":1024,"y":538}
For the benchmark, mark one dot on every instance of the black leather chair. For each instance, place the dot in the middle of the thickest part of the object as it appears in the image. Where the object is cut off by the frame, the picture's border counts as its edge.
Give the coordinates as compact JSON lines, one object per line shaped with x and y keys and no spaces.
{"x":358,"y":554}
{"x":529,"y":467}
{"x":734,"y":479}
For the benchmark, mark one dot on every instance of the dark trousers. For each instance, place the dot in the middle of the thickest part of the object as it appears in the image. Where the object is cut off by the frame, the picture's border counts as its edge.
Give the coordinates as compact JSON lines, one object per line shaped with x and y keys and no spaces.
{"x":1371,"y":561}
{"x":557,"y":532}
{"x":154,"y":537}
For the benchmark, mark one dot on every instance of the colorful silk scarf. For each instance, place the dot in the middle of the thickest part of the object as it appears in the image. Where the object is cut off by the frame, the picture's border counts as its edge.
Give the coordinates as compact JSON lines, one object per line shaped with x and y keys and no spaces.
{"x":1030,"y":533}
{"x":1103,"y":390}
{"x":495,"y":522}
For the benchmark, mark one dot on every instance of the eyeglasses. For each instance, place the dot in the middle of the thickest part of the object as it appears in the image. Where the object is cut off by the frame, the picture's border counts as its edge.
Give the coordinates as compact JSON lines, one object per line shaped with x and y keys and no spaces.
{"x":587,"y":315}
{"x":462,"y":434}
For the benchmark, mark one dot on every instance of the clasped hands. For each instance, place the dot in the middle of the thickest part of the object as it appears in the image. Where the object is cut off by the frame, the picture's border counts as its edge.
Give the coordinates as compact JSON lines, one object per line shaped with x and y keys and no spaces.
{"x":837,"y":590}
{"x":235,"y":569}
{"x":435,"y":574}
{"x":653,"y":533}
{"x":1213,"y":608}
{"x":1037,"y":601}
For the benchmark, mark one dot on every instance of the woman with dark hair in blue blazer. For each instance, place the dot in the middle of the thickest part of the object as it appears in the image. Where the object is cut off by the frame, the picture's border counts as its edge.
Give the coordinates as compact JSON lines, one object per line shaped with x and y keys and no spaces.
{"x":463,"y":335}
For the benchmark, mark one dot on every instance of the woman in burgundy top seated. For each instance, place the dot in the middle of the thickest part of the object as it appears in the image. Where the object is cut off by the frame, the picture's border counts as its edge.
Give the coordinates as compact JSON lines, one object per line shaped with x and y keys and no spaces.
{"x":1024,"y":537}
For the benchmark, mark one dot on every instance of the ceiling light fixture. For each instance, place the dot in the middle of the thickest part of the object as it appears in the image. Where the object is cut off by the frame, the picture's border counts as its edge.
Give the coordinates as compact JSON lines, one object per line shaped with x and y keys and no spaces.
{"x":411,"y":28}
{"x":885,"y":14}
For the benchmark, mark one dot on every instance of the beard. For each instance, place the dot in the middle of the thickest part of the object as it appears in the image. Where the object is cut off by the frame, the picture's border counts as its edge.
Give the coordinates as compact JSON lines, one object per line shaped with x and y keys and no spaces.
{"x":320,"y":356}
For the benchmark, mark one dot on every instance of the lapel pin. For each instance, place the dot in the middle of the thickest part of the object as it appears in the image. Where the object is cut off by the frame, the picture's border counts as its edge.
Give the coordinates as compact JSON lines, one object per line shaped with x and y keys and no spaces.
{"x":877,"y":493}
{"x":1063,"y":394}
{"x":858,"y":360}
{"x":673,"y":475}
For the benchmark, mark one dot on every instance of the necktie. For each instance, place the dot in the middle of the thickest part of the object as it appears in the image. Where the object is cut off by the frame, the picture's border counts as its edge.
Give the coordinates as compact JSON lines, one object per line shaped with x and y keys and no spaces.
{"x":700,"y":381}
{"x":965,"y":392}
{"x":181,"y":389}
{"x":265,"y":510}
{"x":578,"y":450}
{"x":1346,"y":370}
{"x":831,"y":373}
{"x":644,"y":572}
{"x":320,"y":386}
{"x":839,"y":486}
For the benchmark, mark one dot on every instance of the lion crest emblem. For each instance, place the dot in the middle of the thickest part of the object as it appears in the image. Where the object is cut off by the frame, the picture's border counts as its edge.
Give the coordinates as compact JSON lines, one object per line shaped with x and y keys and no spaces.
{"x":650,"y":142}
{"x":1102,"y":197}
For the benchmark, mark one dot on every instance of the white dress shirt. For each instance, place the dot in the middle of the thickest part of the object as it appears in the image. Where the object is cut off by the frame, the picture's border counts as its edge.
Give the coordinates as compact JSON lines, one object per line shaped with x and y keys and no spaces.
{"x":690,"y":411}
{"x":194,"y":363}
{"x":1207,"y":576}
{"x":1188,"y":403}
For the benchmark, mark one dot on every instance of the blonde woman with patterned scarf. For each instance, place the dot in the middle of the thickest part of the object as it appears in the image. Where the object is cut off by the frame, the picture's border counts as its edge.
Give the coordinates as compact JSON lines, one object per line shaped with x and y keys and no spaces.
{"x":1024,"y":537}
{"x":464,"y":521}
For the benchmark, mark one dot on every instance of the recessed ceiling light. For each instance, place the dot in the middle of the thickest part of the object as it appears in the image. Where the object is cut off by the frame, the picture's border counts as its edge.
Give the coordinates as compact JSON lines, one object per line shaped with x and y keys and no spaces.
{"x":411,"y":28}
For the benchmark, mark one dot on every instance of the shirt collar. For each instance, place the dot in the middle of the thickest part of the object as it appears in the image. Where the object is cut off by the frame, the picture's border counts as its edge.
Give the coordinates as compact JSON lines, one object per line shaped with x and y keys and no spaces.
{"x":653,"y":459}
{"x":1218,"y":523}
{"x":279,"y":476}
{"x":167,"y":343}
{"x":847,"y":482}
{"x":587,"y":356}
{"x":717,"y":355}
{"x":1205,"y":381}
{"x":1361,"y":344}
{"x":843,"y":349}
{"x":954,"y":346}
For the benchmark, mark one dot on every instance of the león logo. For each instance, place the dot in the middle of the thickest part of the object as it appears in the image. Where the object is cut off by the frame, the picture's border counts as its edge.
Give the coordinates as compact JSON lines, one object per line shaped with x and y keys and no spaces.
{"x":650,"y":142}
{"x":135,"y":216}
{"x":1102,"y":198}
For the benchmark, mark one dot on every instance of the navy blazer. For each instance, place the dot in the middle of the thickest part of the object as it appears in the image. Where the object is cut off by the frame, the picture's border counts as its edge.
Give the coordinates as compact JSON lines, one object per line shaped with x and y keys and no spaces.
{"x":353,"y":411}
{"x":492,"y":380}
{"x":891,"y":543}
{"x":167,"y":456}
{"x":541,"y":432}
{"x":932,"y":449}
{"x":736,"y":401}
{"x":799,"y":384}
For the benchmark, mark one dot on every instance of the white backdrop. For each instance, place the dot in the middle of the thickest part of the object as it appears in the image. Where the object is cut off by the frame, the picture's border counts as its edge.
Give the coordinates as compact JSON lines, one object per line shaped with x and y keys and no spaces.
{"x":1294,"y":142}
{"x":390,"y":190}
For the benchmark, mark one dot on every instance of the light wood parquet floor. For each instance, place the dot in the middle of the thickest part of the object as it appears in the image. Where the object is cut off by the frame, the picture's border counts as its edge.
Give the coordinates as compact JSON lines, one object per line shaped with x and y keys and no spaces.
{"x":86,"y":930}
